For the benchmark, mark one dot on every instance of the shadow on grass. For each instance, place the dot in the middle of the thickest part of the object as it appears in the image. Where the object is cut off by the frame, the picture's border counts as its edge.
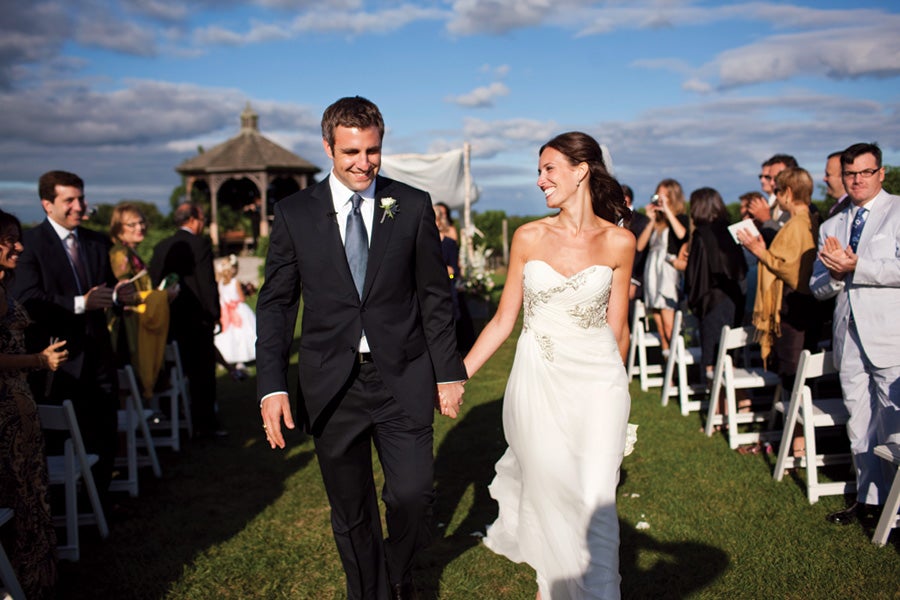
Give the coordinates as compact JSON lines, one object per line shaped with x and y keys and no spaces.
{"x":653,"y":569}
{"x":209,"y":493}
{"x":464,"y":466}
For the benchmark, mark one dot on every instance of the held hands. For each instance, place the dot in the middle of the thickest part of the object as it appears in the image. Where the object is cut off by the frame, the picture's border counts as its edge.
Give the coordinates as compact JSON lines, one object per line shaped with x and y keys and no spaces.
{"x":52,"y":356}
{"x":839,"y":261}
{"x":273,"y":409}
{"x":448,"y":398}
{"x":759,"y":210}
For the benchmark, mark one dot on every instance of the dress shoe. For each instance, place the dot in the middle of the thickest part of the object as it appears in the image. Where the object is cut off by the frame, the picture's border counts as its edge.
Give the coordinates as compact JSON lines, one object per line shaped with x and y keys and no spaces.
{"x":404,"y":591}
{"x":866,"y":514}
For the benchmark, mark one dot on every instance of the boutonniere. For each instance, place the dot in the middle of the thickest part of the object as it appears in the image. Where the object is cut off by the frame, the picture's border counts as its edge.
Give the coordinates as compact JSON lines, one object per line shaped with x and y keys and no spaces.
{"x":389,"y":206}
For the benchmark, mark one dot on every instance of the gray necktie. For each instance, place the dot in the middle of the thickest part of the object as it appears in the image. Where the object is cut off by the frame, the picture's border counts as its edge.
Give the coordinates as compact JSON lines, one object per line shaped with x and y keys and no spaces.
{"x":75,"y":256}
{"x":356,"y":244}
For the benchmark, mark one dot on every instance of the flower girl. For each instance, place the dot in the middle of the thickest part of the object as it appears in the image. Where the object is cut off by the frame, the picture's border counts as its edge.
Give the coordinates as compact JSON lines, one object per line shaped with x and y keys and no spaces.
{"x":236,"y":342}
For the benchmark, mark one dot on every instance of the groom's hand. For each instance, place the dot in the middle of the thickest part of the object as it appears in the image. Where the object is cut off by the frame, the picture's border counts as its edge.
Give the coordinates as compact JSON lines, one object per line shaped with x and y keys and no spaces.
{"x":449,"y":398}
{"x":273,"y":408}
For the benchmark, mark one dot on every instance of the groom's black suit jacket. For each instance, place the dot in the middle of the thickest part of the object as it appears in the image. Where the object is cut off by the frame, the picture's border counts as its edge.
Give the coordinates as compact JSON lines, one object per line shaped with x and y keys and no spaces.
{"x":405,"y":307}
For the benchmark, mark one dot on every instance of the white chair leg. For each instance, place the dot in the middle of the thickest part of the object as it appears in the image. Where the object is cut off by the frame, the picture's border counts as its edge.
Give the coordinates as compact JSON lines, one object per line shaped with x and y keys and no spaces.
{"x":889,"y":518}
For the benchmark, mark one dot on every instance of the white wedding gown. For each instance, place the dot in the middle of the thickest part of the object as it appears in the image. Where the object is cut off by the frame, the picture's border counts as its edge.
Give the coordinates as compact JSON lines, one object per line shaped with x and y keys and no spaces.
{"x":565,"y":418}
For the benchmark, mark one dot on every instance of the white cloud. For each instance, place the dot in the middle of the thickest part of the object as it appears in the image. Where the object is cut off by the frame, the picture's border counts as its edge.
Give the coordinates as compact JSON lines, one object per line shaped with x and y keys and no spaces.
{"x":872,"y":51}
{"x":481,"y":97}
{"x":697,"y":85}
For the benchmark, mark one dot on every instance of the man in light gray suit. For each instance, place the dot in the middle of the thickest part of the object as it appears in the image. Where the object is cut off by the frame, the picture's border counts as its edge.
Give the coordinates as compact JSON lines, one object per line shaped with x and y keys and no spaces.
{"x":859,"y":264}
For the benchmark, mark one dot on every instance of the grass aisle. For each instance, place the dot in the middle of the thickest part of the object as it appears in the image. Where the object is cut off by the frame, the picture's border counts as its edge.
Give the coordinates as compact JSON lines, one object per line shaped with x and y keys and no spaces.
{"x":233,"y":519}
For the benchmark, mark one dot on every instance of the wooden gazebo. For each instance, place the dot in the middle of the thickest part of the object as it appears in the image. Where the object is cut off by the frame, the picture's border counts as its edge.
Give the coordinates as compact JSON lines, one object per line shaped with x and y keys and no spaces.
{"x":246,"y":161}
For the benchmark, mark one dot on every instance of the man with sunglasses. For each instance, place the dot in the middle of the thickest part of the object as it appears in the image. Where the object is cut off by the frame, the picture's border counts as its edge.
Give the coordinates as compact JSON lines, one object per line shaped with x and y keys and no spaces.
{"x":768,"y":213}
{"x":859,"y":265}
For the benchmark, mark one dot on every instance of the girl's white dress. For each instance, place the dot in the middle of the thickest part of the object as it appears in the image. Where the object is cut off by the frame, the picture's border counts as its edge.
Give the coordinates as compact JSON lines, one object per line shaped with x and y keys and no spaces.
{"x":237,"y":340}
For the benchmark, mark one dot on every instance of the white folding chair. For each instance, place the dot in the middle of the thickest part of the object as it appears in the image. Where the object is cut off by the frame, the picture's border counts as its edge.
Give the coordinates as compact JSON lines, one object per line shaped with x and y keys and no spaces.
{"x":7,"y":575}
{"x":731,"y":378}
{"x":811,"y":413}
{"x":642,"y":339}
{"x":889,"y":518}
{"x":131,"y":419}
{"x":680,"y":358}
{"x":179,"y":400}
{"x":67,"y":470}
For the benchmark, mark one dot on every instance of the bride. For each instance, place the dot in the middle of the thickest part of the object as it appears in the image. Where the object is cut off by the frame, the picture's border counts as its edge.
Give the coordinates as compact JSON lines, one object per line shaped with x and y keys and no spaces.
{"x":566,"y":406}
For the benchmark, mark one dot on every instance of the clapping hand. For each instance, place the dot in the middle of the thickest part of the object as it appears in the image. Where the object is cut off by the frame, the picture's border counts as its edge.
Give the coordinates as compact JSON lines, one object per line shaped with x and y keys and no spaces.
{"x":839,"y":261}
{"x":759,"y":210}
{"x":100,"y":296}
{"x":448,"y":398}
{"x":127,"y":294}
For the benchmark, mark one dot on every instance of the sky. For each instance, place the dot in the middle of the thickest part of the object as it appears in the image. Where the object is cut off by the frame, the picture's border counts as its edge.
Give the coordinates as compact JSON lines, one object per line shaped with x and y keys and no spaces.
{"x":122,"y":91}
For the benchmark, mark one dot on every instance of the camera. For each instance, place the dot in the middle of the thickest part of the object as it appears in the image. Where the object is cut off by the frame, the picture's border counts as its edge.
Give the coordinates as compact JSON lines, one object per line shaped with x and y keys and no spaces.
{"x":654,"y":200}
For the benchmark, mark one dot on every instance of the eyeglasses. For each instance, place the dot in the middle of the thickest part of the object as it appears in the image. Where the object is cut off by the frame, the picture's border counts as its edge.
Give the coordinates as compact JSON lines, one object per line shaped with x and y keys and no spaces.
{"x":768,"y":177}
{"x":134,"y":224}
{"x":865,"y":173}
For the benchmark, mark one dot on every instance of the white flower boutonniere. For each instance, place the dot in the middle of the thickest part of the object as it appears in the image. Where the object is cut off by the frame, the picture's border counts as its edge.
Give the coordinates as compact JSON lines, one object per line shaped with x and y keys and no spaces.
{"x":389,"y":206}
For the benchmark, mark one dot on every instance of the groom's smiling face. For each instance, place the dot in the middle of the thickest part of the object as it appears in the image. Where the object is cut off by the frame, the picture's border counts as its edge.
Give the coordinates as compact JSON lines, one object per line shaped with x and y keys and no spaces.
{"x":356,"y":155}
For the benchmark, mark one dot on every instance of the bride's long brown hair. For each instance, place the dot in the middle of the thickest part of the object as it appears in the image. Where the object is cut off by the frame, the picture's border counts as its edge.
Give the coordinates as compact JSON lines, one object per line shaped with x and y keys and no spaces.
{"x":607,"y":198}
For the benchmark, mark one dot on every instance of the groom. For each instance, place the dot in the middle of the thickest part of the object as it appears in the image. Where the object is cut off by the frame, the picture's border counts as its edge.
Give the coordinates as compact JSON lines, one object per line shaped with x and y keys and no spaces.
{"x":377,"y":346}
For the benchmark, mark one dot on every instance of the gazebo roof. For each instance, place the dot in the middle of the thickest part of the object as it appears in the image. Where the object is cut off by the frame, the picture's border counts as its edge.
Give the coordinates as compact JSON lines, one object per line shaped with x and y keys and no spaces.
{"x":248,"y":151}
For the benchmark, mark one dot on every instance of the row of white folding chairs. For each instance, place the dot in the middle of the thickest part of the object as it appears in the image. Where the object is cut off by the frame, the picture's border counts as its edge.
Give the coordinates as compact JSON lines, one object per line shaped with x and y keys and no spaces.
{"x":136,"y":423}
{"x":801,"y":408}
{"x":727,"y":379}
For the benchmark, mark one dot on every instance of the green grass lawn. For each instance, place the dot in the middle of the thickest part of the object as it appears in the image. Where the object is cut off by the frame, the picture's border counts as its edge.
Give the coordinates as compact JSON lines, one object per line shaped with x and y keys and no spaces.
{"x":233,"y":519}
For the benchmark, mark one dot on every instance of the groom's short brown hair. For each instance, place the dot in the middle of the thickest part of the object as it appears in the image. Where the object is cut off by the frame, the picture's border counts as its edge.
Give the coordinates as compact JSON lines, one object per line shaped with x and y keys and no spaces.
{"x":352,"y":111}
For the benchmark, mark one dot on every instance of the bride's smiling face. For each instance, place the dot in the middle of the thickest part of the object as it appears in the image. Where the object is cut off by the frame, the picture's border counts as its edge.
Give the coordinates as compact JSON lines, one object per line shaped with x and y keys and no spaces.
{"x":557,"y":178}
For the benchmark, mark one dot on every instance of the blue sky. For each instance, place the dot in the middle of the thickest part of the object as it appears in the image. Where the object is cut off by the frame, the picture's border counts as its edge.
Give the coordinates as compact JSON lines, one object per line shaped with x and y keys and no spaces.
{"x":122,"y":91}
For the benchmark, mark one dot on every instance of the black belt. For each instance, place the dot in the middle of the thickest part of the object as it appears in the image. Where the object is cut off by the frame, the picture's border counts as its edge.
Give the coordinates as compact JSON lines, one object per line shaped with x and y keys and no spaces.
{"x":364,"y":357}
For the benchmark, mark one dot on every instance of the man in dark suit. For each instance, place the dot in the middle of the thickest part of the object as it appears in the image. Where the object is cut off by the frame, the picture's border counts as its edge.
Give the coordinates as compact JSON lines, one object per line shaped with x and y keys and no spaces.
{"x":66,"y":284}
{"x":194,"y":313}
{"x":363,"y":252}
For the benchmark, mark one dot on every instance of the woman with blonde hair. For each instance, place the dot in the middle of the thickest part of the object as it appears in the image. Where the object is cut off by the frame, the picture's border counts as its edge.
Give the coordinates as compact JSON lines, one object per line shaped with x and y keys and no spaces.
{"x":665,"y":233}
{"x":139,"y":332}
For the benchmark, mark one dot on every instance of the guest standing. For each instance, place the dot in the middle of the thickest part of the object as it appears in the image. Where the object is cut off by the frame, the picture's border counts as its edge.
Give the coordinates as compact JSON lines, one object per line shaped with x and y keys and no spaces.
{"x":716,"y":272}
{"x":23,"y":467}
{"x":138,"y":334}
{"x":665,"y":233}
{"x":858,"y":265}
{"x":195,"y":312}
{"x":465,"y":329}
{"x":65,"y":282}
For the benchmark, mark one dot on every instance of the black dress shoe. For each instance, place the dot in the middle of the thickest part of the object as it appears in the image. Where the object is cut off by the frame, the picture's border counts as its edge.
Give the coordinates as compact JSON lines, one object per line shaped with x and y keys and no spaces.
{"x":866,"y":514}
{"x":404,"y":591}
{"x":843,"y":517}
